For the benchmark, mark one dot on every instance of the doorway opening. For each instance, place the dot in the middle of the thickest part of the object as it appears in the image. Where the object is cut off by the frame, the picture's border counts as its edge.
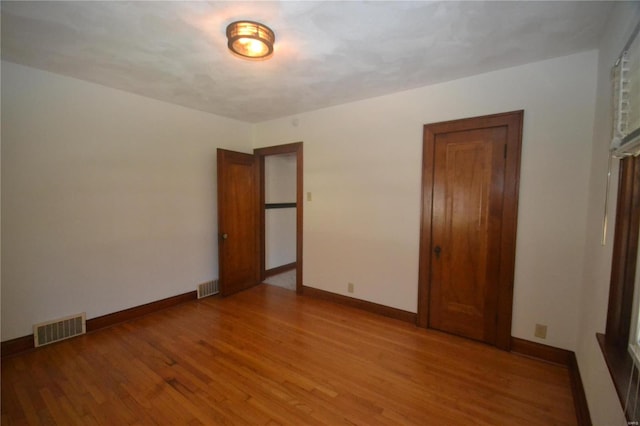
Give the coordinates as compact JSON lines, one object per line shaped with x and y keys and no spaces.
{"x":280,"y":170}
{"x":280,"y":220}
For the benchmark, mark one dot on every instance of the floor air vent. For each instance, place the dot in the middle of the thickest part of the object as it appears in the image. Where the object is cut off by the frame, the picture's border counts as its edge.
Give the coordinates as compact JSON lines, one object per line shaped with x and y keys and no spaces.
{"x":60,"y":329}
{"x":207,"y":289}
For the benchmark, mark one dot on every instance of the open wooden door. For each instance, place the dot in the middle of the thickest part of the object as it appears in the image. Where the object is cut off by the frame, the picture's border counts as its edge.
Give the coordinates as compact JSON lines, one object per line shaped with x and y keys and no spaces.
{"x":238,"y":221}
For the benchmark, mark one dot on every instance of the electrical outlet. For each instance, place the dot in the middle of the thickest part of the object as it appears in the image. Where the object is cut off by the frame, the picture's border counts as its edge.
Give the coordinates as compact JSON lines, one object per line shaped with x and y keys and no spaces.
{"x":350,"y":287}
{"x":541,"y":331}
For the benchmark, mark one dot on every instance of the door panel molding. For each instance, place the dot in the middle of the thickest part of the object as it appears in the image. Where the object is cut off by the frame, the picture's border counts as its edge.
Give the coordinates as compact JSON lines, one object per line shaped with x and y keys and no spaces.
{"x":513,"y":123}
{"x":238,"y":221}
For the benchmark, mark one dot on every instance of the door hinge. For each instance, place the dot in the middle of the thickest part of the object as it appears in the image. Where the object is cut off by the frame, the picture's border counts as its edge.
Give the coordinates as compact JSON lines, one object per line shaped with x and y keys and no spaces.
{"x":505,"y":151}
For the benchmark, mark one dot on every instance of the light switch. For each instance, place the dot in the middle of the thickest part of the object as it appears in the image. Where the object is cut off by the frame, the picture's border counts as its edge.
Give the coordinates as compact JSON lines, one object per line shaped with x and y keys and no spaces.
{"x":308,"y":196}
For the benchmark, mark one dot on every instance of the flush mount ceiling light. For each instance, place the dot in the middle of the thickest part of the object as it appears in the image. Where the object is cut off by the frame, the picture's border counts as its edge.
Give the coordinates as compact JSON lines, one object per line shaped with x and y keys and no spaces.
{"x":250,"y":40}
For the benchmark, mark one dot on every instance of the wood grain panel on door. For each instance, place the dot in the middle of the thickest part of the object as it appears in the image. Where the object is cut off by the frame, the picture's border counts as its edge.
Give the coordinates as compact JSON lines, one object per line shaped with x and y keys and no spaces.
{"x":467,"y":245}
{"x":238,"y":221}
{"x":467,"y":206}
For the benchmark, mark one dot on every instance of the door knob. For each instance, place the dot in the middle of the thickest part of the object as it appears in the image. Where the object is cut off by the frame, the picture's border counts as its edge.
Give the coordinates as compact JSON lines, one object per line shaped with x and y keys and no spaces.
{"x":225,"y":236}
{"x":437,"y":250}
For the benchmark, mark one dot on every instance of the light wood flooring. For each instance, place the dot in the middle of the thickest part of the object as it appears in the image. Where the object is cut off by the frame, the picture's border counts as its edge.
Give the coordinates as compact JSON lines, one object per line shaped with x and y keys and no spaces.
{"x":267,"y":357}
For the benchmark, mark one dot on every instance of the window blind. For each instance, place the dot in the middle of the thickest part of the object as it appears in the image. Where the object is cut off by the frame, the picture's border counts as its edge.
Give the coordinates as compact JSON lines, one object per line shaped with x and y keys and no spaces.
{"x":626,"y":111}
{"x":626,"y":100}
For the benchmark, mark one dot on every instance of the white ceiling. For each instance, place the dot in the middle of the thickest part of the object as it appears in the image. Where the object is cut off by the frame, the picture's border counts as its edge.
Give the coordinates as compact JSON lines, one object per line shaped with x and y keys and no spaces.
{"x":326,"y":53}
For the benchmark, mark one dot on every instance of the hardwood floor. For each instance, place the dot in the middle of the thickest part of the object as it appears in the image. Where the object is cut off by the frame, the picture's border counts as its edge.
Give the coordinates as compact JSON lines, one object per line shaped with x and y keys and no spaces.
{"x":266,"y":357}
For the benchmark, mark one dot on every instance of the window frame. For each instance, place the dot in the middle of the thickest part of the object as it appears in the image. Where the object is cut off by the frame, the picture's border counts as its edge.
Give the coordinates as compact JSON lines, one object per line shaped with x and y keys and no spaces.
{"x":615,"y":342}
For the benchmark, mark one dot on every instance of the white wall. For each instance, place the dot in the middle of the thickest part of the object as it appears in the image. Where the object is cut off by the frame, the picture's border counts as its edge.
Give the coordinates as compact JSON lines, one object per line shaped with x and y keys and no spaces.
{"x":108,"y":198}
{"x":0,"y":195}
{"x":280,"y":224}
{"x":603,"y":402}
{"x":363,"y":167}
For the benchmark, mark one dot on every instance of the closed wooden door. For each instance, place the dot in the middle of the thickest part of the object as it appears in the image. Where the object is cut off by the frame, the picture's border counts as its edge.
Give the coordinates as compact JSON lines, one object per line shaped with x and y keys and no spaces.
{"x":468,"y":234}
{"x":238,"y":221}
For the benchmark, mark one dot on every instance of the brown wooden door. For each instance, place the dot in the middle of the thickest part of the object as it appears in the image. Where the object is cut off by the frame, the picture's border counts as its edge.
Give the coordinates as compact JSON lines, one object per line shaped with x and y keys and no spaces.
{"x":468,"y":234}
{"x":238,"y":221}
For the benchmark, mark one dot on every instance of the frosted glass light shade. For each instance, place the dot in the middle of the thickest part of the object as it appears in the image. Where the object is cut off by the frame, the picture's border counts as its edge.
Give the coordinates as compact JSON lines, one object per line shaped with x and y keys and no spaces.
{"x":250,"y":40}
